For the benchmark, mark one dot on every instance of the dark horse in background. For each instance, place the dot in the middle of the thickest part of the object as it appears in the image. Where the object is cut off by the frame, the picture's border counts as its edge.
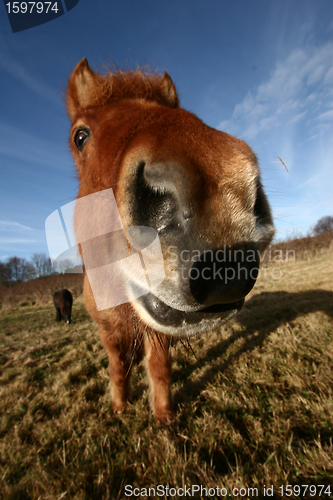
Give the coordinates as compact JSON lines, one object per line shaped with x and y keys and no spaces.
{"x":63,"y":302}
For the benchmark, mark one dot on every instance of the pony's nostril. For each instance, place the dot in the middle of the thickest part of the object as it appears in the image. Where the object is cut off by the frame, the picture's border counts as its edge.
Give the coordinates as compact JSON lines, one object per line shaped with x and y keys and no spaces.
{"x":224,"y":276}
{"x":156,"y":202}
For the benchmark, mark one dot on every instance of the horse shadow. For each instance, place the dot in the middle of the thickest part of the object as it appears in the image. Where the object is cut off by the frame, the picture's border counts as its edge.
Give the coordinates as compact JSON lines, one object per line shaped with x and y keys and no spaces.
{"x":261,"y":316}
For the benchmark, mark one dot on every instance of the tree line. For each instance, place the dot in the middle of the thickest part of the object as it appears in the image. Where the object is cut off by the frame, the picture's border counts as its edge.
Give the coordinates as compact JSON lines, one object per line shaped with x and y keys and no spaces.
{"x":17,"y":269}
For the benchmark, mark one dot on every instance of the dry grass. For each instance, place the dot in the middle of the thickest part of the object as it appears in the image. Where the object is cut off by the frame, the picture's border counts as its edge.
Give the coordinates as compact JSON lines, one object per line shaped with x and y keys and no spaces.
{"x":255,"y":401}
{"x":39,"y":290}
{"x":302,"y":247}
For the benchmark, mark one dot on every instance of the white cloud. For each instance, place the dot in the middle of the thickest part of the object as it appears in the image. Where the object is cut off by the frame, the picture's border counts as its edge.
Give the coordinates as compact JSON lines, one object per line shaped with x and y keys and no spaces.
{"x":10,"y":225}
{"x":19,"y":72}
{"x":328,"y":115}
{"x":328,"y":80}
{"x":18,"y":144}
{"x":14,"y":233}
{"x":298,"y":85}
{"x":298,"y":117}
{"x":10,"y":241}
{"x":291,"y":116}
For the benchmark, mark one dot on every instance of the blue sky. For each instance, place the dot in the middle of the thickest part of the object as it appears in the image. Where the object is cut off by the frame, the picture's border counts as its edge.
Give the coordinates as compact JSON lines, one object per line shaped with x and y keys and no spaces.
{"x":260,"y":69}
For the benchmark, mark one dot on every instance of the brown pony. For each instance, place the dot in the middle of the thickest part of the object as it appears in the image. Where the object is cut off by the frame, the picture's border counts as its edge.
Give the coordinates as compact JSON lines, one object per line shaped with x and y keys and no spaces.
{"x":63,"y":302}
{"x":197,"y":187}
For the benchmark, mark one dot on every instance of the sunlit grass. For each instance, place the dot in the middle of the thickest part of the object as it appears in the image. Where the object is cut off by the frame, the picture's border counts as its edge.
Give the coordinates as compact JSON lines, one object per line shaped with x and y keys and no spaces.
{"x":254,"y":401}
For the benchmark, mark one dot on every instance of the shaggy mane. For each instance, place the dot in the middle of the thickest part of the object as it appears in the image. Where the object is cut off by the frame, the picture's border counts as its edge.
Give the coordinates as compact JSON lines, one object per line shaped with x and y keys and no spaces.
{"x":142,"y":83}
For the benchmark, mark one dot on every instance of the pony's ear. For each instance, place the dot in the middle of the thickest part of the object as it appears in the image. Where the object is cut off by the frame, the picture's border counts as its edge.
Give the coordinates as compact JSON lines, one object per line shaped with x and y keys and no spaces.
{"x":81,"y":88}
{"x":169,"y":90}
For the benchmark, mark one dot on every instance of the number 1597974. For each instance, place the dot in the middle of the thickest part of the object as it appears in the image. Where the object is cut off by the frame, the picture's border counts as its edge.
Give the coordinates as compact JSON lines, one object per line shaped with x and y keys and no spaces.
{"x":31,"y":7}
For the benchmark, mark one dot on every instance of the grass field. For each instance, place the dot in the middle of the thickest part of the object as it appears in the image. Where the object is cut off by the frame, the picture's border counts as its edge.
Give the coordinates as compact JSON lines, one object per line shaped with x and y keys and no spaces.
{"x":254,"y":403}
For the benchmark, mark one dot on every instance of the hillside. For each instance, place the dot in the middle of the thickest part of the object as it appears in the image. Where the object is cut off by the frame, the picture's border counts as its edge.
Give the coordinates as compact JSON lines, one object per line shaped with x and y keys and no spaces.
{"x":254,"y":400}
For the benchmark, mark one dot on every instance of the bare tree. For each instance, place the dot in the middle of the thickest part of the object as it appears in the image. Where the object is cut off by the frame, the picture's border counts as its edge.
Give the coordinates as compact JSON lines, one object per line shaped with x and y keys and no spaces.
{"x":42,"y":265}
{"x":37,"y":261}
{"x":19,"y":269}
{"x":4,"y":272}
{"x":47,"y":267}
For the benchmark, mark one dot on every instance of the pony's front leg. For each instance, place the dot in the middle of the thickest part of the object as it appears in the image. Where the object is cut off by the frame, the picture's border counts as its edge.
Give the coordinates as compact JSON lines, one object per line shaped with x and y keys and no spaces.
{"x":158,"y":362}
{"x":119,"y":370}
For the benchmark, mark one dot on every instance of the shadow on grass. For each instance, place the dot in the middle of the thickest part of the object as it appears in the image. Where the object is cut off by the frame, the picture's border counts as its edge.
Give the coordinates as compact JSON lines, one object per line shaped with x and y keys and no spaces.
{"x":261,"y":316}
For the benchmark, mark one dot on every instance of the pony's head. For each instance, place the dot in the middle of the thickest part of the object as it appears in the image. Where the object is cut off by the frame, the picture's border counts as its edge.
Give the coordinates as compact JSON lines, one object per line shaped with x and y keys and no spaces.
{"x":197,"y":187}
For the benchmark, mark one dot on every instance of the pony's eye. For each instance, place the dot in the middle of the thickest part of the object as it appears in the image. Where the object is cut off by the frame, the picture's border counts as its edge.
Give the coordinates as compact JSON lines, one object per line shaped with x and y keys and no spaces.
{"x":81,"y":137}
